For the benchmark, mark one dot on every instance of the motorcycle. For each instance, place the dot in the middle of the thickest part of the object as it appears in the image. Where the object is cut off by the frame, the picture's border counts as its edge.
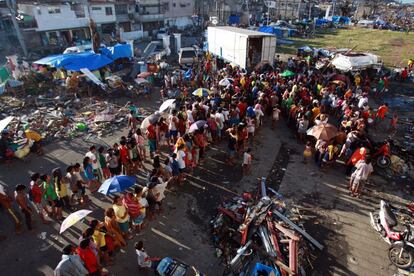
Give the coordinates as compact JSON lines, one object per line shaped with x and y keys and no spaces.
{"x":401,"y":251}
{"x":383,"y":222}
{"x":380,"y":153}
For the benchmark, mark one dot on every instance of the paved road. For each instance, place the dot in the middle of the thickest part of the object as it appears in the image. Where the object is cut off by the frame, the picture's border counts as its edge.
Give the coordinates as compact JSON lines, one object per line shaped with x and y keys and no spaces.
{"x":182,"y":230}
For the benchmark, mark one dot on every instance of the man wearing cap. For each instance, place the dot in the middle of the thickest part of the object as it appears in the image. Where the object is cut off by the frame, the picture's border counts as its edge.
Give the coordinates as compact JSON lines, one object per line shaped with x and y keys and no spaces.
{"x":71,"y":264}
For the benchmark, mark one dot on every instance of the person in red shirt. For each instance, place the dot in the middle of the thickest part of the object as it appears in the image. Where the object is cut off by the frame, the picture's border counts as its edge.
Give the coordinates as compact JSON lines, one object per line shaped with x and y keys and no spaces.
{"x":152,"y":139}
{"x":89,"y":258}
{"x":404,"y":74}
{"x":37,"y":196}
{"x":359,"y":154}
{"x":123,"y":156}
{"x":242,"y":106}
{"x":382,"y":111}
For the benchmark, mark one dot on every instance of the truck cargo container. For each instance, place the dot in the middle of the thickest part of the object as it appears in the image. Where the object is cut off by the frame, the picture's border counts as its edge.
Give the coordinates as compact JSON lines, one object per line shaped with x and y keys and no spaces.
{"x":242,"y":47}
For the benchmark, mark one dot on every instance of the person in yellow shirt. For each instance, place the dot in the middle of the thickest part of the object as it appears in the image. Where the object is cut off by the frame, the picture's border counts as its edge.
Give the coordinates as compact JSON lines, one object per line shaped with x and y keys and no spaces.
{"x":60,"y":187}
{"x":37,"y":141}
{"x":315,"y":111}
{"x":357,"y":80}
{"x":98,"y":236}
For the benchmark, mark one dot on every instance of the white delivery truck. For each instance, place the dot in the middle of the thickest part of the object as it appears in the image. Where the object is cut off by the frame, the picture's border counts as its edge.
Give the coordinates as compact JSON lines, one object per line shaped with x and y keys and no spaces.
{"x":242,"y":47}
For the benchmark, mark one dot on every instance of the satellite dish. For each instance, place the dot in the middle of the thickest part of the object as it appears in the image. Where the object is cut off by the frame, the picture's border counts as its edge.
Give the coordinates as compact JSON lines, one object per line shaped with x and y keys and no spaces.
{"x":214,"y":21}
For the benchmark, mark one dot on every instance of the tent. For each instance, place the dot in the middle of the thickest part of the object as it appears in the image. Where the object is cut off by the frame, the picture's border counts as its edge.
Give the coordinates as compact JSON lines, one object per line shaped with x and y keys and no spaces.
{"x":234,"y":20}
{"x":77,"y":61}
{"x":321,"y":21}
{"x":280,"y":32}
{"x":341,"y":20}
{"x":352,"y":62}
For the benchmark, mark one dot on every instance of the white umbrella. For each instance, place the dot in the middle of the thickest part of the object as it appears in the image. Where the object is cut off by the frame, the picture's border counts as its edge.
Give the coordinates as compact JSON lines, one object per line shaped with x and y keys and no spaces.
{"x":73,"y":218}
{"x":226,"y":82}
{"x":197,"y":125}
{"x":166,"y":104}
{"x":5,"y":122}
{"x":151,"y":119}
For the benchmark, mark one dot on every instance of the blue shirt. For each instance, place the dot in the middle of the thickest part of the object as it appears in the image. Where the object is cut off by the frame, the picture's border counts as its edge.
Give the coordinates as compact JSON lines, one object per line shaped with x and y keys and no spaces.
{"x":175,"y":168}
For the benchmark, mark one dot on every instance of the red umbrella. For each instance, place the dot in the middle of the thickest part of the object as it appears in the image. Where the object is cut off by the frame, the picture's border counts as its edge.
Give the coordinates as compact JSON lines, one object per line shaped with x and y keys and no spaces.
{"x":323,"y":131}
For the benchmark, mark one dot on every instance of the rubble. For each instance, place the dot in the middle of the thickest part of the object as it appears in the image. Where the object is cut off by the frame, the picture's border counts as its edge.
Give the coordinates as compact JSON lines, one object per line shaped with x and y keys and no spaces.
{"x":57,"y":117}
{"x":260,"y":229}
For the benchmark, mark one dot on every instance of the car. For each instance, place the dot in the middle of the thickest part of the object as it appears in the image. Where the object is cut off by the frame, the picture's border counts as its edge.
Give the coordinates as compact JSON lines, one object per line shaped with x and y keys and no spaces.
{"x":187,"y":56}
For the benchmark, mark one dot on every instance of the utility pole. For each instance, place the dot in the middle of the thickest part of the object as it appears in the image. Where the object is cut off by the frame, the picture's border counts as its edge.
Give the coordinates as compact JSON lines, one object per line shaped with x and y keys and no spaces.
{"x":310,"y":9}
{"x":298,"y":12}
{"x":11,"y":4}
{"x":248,"y":13}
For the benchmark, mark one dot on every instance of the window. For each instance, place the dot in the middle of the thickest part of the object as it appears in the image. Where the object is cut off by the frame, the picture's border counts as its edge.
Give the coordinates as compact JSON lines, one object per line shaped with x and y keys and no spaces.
{"x":121,"y":9}
{"x":96,"y":8}
{"x":53,"y":10}
{"x":39,"y":12}
{"x":78,"y":9}
{"x":108,"y":10}
{"x":137,"y":8}
{"x":174,"y":5}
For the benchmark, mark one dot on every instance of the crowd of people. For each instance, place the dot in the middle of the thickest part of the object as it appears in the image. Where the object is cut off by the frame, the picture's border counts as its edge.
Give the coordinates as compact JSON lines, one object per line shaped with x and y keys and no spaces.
{"x":234,"y":109}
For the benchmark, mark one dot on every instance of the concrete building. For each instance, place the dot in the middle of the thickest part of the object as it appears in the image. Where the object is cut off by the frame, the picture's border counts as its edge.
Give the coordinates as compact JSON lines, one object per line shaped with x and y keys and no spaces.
{"x":62,"y":23}
{"x":156,"y":14}
{"x":178,"y":13}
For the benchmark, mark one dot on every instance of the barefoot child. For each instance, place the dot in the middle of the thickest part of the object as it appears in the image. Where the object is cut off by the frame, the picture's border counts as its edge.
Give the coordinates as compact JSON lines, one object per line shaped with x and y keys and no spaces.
{"x":307,"y":153}
{"x":247,"y":161}
{"x":275,"y":115}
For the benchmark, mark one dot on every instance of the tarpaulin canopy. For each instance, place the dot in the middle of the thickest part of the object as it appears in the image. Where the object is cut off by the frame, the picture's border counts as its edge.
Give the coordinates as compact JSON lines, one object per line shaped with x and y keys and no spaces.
{"x":355,"y":61}
{"x":234,"y":19}
{"x":341,"y":20}
{"x":118,"y":51}
{"x":321,"y":21}
{"x":77,"y":61}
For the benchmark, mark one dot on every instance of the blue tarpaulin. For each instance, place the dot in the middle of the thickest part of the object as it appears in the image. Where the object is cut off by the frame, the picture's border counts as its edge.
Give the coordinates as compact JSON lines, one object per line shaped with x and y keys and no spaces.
{"x":341,"y":20}
{"x":234,"y":19}
{"x":266,"y":29}
{"x":118,"y":51}
{"x":321,"y":21}
{"x":77,"y":61}
{"x":279,"y":32}
{"x":187,"y":75}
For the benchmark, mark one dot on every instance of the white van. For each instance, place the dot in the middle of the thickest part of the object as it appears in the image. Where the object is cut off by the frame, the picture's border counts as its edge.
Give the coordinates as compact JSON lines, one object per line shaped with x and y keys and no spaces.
{"x":187,"y":56}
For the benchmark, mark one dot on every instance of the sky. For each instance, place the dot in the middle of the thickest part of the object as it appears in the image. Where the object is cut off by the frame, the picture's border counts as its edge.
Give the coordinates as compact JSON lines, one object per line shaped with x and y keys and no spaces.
{"x":407,"y":1}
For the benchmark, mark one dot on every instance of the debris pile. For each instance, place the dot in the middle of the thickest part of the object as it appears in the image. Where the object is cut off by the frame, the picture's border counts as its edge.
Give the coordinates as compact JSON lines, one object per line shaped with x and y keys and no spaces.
{"x":251,"y":231}
{"x":63,"y":118}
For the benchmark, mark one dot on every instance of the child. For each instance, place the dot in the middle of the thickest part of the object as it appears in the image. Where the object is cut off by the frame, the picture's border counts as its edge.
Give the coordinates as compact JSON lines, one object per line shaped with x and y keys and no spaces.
{"x":140,"y":143}
{"x":102,"y":162}
{"x":393,"y":124}
{"x":144,"y":261}
{"x":251,"y":127}
{"x":275,"y":115}
{"x":307,"y":153}
{"x":247,"y":161}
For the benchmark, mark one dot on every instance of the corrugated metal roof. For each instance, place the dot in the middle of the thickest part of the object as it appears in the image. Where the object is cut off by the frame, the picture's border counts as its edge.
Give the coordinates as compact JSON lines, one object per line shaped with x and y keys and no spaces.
{"x":242,"y":31}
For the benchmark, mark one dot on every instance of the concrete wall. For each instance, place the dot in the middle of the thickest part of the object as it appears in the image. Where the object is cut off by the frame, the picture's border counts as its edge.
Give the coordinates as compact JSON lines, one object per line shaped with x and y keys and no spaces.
{"x":125,"y":36}
{"x":182,"y":8}
{"x":98,"y":13}
{"x":179,"y":22}
{"x":49,"y":18}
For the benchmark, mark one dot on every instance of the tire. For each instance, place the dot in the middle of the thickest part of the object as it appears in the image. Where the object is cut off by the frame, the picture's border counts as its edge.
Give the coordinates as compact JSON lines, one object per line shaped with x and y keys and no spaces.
{"x":407,"y":256}
{"x":383,"y":162}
